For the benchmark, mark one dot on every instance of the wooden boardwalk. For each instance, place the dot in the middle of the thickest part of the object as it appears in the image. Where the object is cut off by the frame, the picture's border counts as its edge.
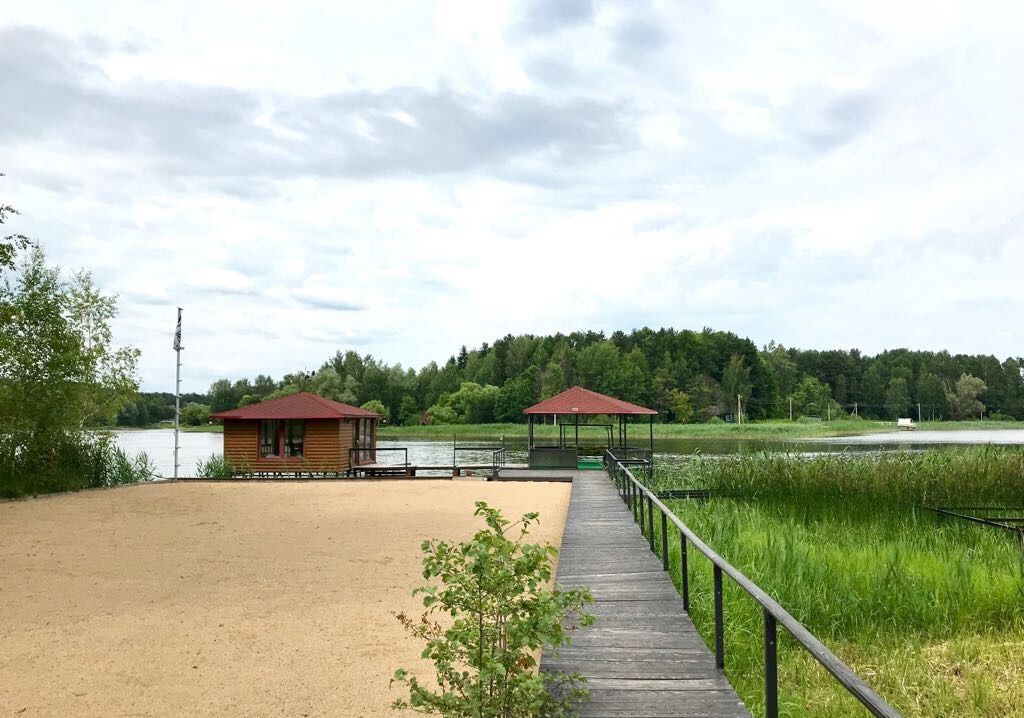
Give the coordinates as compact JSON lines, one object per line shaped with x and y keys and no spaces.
{"x":643,"y":657}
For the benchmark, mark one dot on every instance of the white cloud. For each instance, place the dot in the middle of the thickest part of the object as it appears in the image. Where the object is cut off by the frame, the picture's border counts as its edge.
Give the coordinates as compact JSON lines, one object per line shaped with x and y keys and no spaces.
{"x":403,"y":178}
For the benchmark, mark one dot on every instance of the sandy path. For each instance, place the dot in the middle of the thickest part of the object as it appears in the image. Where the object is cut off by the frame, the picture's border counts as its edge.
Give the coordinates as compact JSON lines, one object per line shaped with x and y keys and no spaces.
{"x":225,"y":599}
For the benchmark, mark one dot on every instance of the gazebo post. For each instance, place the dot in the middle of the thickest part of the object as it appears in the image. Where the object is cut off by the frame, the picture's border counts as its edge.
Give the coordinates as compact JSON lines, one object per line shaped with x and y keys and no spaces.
{"x":651,"y":424}
{"x":529,"y":430}
{"x":577,"y":434}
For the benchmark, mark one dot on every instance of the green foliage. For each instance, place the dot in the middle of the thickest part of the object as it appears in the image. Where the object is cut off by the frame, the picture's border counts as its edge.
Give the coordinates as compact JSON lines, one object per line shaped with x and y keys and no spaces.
{"x":499,"y":613}
{"x":938,"y":477}
{"x":897,"y":397}
{"x":215,"y":467}
{"x":516,"y":395}
{"x":443,"y":412}
{"x":962,"y":396}
{"x":377,"y":407}
{"x":811,"y":529}
{"x":11,"y":244}
{"x":123,"y":469}
{"x":736,"y":379}
{"x":409,"y":412}
{"x":811,"y":398}
{"x":645,"y":366}
{"x":706,"y":397}
{"x":193,"y":414}
{"x":60,"y":374}
{"x":74,"y":461}
{"x":679,"y":405}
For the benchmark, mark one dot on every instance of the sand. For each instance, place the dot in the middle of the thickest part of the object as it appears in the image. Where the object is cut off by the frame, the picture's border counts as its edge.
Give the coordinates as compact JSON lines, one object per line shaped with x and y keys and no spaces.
{"x":236,"y":599}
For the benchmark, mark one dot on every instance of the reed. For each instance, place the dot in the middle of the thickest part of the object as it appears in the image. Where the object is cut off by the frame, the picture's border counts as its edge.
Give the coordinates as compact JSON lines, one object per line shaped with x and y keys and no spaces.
{"x":929,"y":611}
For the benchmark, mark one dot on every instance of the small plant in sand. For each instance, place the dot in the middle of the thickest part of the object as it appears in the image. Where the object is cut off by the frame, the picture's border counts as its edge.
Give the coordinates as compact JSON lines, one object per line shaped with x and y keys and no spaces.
{"x":500,"y":613}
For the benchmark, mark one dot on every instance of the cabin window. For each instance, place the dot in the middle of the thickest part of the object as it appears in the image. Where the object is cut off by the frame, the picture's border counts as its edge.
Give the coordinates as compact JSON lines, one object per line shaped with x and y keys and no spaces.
{"x":269,"y":442}
{"x":294,"y":431}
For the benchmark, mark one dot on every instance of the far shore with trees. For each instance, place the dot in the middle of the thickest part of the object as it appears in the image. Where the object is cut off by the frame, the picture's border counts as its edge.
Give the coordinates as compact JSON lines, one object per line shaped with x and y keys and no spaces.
{"x":699,"y":382}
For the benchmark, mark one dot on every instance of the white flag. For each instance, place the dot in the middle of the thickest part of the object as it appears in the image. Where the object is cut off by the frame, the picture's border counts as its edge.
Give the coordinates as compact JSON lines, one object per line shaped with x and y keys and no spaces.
{"x":177,"y":333}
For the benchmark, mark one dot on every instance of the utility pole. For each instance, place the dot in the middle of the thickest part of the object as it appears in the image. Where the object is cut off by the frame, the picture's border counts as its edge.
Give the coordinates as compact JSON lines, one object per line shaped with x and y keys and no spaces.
{"x":828,"y":410}
{"x":918,"y":412}
{"x":177,"y":391}
{"x":739,"y":409}
{"x":791,"y":408}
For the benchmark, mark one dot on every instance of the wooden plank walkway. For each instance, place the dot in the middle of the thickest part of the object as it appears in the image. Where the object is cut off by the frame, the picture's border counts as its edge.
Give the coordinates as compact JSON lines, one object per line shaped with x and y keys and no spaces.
{"x":643,"y":657}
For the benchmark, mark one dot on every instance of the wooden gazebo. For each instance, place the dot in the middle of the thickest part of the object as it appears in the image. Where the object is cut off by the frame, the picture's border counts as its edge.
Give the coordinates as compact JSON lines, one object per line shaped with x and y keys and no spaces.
{"x":577,"y":402}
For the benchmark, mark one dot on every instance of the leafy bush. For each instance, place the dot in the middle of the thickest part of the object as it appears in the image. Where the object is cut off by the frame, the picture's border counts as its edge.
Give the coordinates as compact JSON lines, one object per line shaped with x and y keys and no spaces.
{"x":493,"y":589}
{"x":215,"y":467}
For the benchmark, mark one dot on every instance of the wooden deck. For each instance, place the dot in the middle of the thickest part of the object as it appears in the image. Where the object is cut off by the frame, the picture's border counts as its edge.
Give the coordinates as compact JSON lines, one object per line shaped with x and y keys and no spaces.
{"x":643,"y":657}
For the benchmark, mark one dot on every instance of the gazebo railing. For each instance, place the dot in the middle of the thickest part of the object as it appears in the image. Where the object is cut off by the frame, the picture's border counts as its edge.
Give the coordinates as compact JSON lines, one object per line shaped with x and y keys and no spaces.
{"x":637,"y":496}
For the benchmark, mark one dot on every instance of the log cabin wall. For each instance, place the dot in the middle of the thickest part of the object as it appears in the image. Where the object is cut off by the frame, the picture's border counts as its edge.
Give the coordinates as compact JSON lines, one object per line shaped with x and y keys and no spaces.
{"x":324,"y":449}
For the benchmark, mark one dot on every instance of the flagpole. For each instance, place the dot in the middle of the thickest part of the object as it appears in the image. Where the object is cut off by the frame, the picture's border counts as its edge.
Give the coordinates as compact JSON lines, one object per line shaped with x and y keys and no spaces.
{"x":177,"y":391}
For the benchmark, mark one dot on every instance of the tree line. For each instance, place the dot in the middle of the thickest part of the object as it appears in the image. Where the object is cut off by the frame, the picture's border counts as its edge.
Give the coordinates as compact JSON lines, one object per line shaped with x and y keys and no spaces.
{"x":687,"y":376}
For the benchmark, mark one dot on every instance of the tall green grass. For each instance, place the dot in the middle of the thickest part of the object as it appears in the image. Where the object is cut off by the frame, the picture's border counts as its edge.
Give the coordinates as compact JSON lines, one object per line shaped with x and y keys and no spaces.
{"x":70,"y":462}
{"x":891,"y":478}
{"x":906,"y":599}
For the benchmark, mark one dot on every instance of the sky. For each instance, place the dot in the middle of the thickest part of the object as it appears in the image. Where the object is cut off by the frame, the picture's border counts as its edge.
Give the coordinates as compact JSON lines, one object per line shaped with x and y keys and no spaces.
{"x":403,"y":178}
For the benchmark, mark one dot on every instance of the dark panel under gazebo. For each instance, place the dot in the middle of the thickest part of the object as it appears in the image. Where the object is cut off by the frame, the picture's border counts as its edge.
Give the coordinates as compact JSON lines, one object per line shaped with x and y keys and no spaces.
{"x":577,"y":402}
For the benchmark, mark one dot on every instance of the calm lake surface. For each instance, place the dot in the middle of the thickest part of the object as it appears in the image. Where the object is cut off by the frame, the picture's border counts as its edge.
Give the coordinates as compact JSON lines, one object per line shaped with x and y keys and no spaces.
{"x":196,"y":446}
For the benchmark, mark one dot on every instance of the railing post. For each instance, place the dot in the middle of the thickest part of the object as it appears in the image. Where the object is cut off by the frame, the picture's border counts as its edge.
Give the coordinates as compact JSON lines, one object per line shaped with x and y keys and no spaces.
{"x":771,"y":667}
{"x":684,"y":573}
{"x":664,"y":541}
{"x":650,"y":521}
{"x":719,"y":620}
{"x":643,"y":531}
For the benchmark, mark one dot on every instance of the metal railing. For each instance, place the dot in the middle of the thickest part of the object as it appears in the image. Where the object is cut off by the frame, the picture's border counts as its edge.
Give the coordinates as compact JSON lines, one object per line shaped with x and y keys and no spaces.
{"x":1013,"y":523}
{"x":354,"y":453}
{"x":498,"y":458}
{"x":642,"y":502}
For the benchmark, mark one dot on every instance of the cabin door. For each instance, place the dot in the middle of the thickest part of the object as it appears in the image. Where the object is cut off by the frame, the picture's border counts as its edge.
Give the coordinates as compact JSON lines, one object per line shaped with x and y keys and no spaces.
{"x":364,"y":443}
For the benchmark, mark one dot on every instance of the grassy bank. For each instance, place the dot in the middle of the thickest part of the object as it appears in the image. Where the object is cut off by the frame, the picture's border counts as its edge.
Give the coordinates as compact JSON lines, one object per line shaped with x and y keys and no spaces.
{"x":930,"y":613}
{"x":752,"y":430}
{"x":201,"y":429}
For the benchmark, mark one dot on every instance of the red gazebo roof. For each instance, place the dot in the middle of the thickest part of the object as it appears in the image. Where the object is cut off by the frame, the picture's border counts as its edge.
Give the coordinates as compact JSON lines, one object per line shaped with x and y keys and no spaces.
{"x":584,"y":401}
{"x":303,"y":405}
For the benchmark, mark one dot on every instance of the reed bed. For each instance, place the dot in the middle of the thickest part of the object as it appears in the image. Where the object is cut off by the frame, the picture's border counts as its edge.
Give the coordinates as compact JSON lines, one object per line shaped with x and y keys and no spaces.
{"x":929,"y":611}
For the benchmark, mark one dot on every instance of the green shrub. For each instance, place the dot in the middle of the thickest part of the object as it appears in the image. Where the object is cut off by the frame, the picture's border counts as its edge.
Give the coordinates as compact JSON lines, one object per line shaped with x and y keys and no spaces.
{"x":215,"y":467}
{"x":500,"y":614}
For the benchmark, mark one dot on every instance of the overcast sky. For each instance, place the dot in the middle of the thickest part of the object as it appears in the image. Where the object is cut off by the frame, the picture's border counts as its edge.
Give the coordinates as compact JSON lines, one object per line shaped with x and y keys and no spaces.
{"x":402,"y":178}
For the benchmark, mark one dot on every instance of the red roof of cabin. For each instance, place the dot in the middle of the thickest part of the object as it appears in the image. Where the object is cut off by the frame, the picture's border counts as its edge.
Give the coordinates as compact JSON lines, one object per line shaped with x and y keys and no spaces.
{"x":303,"y":405}
{"x":584,"y":401}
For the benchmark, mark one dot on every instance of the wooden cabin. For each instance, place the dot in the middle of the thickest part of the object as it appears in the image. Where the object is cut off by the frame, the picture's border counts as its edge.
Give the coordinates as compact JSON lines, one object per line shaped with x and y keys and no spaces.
{"x":299,"y":433}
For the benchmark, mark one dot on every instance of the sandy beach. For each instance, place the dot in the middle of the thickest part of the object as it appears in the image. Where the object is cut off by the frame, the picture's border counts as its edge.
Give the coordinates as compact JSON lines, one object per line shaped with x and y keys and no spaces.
{"x":235,"y":599}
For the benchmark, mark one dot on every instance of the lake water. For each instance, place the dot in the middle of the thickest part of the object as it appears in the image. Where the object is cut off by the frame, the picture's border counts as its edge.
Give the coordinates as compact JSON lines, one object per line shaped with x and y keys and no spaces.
{"x":197,"y":446}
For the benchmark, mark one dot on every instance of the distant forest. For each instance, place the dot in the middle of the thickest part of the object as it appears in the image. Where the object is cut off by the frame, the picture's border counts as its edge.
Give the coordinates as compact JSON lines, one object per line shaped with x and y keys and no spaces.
{"x":688,"y":376}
